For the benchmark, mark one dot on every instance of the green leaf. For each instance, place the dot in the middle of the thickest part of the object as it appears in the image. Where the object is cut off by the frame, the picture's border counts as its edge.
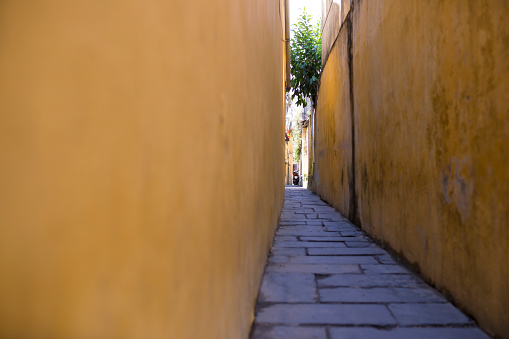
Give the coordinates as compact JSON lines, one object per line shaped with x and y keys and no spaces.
{"x":305,"y":59}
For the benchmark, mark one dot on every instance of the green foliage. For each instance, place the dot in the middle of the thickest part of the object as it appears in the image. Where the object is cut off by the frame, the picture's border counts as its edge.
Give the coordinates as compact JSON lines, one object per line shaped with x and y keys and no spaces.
{"x":306,"y":59}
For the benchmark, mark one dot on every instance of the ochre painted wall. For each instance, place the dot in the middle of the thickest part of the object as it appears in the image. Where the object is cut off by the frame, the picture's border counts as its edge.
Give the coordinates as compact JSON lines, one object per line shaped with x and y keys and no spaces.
{"x":431,"y":123}
{"x":142,"y":165}
{"x":289,"y":160}
{"x":332,"y":175}
{"x":333,"y":15}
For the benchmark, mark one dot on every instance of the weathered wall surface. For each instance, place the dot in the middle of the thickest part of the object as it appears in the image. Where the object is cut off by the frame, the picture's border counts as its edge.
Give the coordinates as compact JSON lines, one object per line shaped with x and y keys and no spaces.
{"x":333,"y":171}
{"x":431,"y":125}
{"x":142,"y":166}
{"x":333,"y":15}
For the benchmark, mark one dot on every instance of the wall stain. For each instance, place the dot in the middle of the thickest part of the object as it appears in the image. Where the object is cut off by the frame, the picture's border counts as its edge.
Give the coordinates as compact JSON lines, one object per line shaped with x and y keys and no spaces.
{"x":457,"y":185}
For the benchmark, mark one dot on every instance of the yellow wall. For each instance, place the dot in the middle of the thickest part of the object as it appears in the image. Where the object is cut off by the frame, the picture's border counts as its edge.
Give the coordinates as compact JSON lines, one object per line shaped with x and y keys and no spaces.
{"x":142,"y":165}
{"x":289,"y":160}
{"x":311,"y":141}
{"x":333,"y":15}
{"x":304,"y":158}
{"x":431,"y":122}
{"x":332,"y":177}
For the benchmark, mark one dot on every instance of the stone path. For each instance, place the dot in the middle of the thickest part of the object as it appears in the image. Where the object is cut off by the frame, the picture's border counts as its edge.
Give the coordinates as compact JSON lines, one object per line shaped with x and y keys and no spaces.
{"x":326,"y":279}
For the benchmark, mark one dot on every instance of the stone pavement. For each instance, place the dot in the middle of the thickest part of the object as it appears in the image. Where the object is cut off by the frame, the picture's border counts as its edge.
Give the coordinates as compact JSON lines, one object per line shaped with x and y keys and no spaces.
{"x":326,"y":279}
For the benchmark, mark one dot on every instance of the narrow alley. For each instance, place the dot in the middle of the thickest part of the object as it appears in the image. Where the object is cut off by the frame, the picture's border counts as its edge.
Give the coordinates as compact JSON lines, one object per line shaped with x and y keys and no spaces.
{"x":145,"y":147}
{"x":327,"y":279}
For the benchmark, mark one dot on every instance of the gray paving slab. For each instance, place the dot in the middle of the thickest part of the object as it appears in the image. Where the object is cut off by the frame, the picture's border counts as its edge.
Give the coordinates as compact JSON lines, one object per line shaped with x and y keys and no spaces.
{"x":300,"y":228}
{"x":386,"y":259}
{"x":384,"y":269}
{"x":332,"y":238}
{"x":379,"y":295}
{"x":338,"y":260}
{"x":314,"y":223}
{"x":288,"y":288}
{"x":309,"y":244}
{"x":362,"y":280}
{"x":360,"y":244}
{"x":299,"y":232}
{"x":336,"y":229}
{"x":282,"y":332}
{"x":325,"y":278}
{"x":314,"y":268}
{"x":314,"y":204}
{"x":279,"y":259}
{"x":324,"y":209}
{"x":285,"y":238}
{"x":351,"y":233}
{"x":291,"y":215}
{"x":344,"y":224}
{"x":406,"y":333}
{"x":428,"y":314}
{"x":288,"y":205}
{"x":346,"y":251}
{"x":325,"y":314}
{"x":330,"y":216}
{"x":304,"y":210}
{"x":292,"y":223}
{"x":288,"y":251}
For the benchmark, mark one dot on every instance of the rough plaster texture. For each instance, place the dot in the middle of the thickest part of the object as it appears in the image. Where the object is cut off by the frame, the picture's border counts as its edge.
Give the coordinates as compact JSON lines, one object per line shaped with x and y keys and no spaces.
{"x":431,"y":123}
{"x":333,"y":16}
{"x":142,"y":166}
{"x":333,"y":139}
